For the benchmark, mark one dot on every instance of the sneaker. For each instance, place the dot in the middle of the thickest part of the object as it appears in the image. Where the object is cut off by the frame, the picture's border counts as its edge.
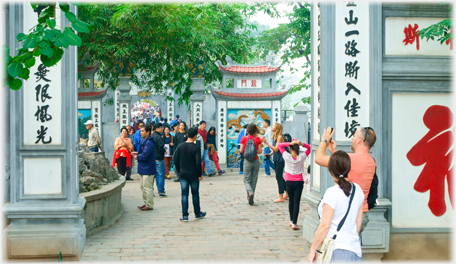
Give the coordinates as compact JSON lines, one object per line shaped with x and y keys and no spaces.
{"x":212,"y":174}
{"x":266,"y":175}
{"x":177,"y":180}
{"x":241,"y":172}
{"x":129,"y":179}
{"x":162,"y":195}
{"x":204,"y":174}
{"x":251,"y":199}
{"x":168,"y":177}
{"x":203,"y":214}
{"x":184,"y":218}
{"x":221,"y":172}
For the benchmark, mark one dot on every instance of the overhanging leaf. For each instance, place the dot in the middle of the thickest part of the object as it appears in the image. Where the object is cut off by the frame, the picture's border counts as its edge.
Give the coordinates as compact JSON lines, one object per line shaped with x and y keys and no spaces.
{"x":14,"y":69}
{"x":71,"y":38}
{"x":20,"y":36}
{"x":47,"y":51}
{"x":71,"y":17}
{"x":80,"y":27}
{"x":30,"y":62}
{"x":29,"y":44}
{"x":16,"y":84}
{"x":51,"y":23}
{"x":25,"y":74}
{"x":64,"y":7}
{"x":48,"y":62}
{"x":6,"y":50}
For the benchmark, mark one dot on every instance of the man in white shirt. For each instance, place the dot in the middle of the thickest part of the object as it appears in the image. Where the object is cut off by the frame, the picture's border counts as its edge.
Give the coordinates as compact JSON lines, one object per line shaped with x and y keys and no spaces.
{"x":94,"y":141}
{"x":267,"y":154}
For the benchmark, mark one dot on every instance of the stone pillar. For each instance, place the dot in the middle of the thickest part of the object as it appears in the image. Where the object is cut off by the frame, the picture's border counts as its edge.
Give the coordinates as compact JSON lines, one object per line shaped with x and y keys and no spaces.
{"x":44,"y":208}
{"x":124,"y":99}
{"x":197,"y":99}
{"x":301,"y":121}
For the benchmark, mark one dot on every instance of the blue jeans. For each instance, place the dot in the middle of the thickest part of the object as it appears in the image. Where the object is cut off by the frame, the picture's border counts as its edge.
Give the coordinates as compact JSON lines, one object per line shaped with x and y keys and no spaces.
{"x":207,"y":162}
{"x":94,"y":149}
{"x":241,"y":160}
{"x":268,"y":164}
{"x":160,"y":176}
{"x":194,"y":184}
{"x":342,"y":255}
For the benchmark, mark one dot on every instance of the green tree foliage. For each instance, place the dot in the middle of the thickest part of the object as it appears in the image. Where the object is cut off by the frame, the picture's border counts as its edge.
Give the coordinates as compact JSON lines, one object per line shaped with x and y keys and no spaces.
{"x":46,"y":41}
{"x":162,"y":39}
{"x":443,"y":30}
{"x":291,"y":40}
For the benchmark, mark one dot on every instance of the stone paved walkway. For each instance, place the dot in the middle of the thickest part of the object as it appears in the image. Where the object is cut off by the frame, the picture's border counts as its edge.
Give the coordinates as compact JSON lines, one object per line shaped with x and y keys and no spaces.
{"x":231,"y":231}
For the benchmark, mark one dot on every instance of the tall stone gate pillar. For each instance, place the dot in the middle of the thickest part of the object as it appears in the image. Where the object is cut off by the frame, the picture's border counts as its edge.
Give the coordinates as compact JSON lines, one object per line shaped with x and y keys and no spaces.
{"x":197,"y":98}
{"x":124,"y":99}
{"x":44,"y":207}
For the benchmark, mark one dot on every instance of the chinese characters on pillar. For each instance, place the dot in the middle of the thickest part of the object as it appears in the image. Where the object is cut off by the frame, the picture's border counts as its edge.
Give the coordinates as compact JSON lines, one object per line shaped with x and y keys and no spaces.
{"x":316,"y":73}
{"x":42,"y":104}
{"x":96,"y":117}
{"x":170,"y":106}
{"x":124,"y":115}
{"x":352,"y":67}
{"x":116,"y":95}
{"x":221,"y":121}
{"x":198,"y":112}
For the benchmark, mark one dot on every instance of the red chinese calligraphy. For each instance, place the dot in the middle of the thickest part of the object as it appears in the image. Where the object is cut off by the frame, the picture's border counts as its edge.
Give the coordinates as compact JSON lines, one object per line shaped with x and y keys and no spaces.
{"x":433,"y":150}
{"x":450,"y":40}
{"x":253,"y":83}
{"x":411,"y":35}
{"x":243,"y":82}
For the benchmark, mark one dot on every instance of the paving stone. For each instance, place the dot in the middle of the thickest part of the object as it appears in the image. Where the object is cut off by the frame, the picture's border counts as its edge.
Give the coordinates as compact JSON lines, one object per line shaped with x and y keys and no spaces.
{"x":232,"y":231}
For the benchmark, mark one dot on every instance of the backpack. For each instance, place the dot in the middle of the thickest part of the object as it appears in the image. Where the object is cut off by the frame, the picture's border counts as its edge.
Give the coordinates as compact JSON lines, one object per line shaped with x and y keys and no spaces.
{"x":250,"y":151}
{"x":287,"y":137}
{"x":373,"y":191}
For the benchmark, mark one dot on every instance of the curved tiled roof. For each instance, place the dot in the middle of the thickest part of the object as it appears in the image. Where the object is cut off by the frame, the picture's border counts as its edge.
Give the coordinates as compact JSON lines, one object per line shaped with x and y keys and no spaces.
{"x":86,"y":94}
{"x":249,"y":69}
{"x":250,"y":95}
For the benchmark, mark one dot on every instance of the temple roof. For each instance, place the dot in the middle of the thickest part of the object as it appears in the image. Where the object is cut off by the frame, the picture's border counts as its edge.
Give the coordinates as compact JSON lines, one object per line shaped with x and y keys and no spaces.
{"x":234,"y":67}
{"x":234,"y":96}
{"x":92,"y":95}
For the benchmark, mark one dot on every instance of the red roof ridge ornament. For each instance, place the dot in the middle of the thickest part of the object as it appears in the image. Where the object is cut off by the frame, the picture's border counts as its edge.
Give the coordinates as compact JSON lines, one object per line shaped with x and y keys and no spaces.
{"x":232,"y":66}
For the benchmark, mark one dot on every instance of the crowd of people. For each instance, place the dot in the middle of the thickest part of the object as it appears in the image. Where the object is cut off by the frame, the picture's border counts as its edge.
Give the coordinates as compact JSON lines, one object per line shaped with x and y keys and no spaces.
{"x":343,"y":211}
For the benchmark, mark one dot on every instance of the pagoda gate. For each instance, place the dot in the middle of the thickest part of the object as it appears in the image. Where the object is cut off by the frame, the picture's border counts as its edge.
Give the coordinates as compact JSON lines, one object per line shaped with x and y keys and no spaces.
{"x":247,"y":94}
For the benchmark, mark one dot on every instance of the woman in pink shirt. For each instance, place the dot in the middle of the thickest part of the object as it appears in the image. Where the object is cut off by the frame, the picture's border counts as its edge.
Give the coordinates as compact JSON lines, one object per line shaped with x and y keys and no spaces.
{"x":294,"y":168}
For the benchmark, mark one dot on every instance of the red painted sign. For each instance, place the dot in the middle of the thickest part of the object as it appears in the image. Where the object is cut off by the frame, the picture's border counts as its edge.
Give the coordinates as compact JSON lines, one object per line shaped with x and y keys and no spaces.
{"x":411,"y":36}
{"x":433,"y":151}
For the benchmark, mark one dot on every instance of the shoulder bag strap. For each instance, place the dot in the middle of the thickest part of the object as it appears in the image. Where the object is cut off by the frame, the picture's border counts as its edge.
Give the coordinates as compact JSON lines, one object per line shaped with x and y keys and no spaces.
{"x":346,"y":214}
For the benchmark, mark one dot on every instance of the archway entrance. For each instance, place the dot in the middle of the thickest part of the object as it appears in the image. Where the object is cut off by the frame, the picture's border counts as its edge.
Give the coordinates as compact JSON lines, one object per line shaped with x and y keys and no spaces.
{"x":145,"y":109}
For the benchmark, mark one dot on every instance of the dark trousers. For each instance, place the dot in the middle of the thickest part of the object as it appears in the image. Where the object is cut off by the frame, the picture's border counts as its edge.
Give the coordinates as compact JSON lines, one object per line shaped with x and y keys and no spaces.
{"x":294,"y":189}
{"x":193,"y":183}
{"x":278,"y":167}
{"x":122,"y":167}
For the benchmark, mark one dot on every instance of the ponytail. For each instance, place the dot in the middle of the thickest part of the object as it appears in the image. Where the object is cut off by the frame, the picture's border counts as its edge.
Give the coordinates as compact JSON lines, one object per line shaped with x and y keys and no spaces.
{"x":339,"y":165}
{"x":344,"y":185}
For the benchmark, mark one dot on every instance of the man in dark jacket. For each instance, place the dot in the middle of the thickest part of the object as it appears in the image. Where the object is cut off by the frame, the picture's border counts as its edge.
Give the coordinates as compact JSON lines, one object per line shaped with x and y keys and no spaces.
{"x":187,"y":160}
{"x":146,"y":167}
{"x":159,"y":158}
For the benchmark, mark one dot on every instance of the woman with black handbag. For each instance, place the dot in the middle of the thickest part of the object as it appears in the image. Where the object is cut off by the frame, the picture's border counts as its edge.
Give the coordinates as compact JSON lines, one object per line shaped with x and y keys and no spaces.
{"x":341,"y":214}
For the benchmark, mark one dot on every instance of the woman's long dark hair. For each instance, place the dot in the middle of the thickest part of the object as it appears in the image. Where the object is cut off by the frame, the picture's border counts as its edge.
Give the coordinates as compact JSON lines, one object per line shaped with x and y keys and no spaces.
{"x":340,"y":164}
{"x":209,"y":132}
